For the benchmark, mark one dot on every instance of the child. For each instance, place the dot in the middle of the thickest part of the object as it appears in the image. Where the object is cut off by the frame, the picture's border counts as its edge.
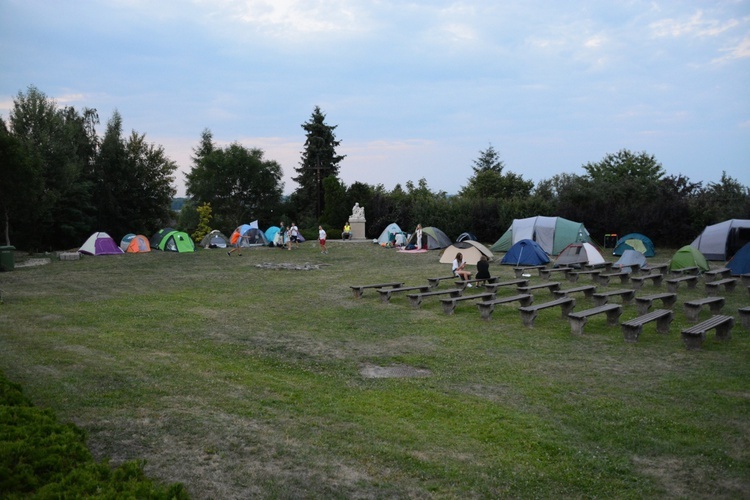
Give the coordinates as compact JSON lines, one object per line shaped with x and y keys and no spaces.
{"x":234,"y":240}
{"x":322,"y":239}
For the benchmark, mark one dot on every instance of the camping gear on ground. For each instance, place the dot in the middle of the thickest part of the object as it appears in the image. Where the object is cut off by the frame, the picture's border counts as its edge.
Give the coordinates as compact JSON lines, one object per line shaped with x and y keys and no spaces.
{"x":721,"y":241}
{"x":384,"y":237}
{"x":465,"y":236}
{"x":740,"y":263}
{"x":688,"y":256}
{"x":635,"y":241}
{"x":138,"y":244}
{"x":525,"y":253}
{"x":100,"y":244}
{"x":629,"y":259}
{"x":432,"y":239}
{"x":215,"y":239}
{"x":551,"y":233}
{"x":471,"y":251}
{"x":579,"y":255}
{"x":159,"y":235}
{"x":177,"y":241}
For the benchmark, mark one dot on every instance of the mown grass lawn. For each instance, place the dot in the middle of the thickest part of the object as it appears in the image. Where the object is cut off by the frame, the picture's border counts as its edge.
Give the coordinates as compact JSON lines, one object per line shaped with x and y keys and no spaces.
{"x":243,"y":381}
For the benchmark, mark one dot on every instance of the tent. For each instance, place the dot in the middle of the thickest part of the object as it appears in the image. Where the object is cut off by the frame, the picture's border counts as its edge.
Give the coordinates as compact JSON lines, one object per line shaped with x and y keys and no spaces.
{"x":525,"y":253}
{"x":740,"y":263}
{"x":177,"y":241}
{"x":252,"y":236}
{"x":551,"y":233}
{"x":215,"y":239}
{"x":631,"y":258}
{"x":579,"y":254}
{"x":125,"y":241}
{"x":721,"y":241}
{"x":432,"y":239}
{"x":470,"y":250}
{"x":466,"y":236}
{"x":273,"y":235}
{"x":159,"y":235}
{"x":385,"y":236}
{"x":635,"y":241}
{"x":138,"y":244}
{"x":688,"y":256}
{"x":100,"y":244}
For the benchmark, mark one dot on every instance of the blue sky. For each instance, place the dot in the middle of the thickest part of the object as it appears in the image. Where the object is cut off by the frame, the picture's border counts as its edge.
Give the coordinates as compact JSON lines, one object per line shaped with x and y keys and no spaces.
{"x":417,"y":89}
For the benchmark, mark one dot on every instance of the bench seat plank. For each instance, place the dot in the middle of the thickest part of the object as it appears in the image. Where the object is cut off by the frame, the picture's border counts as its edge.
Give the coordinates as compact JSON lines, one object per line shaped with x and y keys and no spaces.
{"x":601,"y":298}
{"x":594,"y":273}
{"x":461,"y":284}
{"x":694,"y":336}
{"x":520,"y":271}
{"x":693,"y":307}
{"x":644,"y":303}
{"x":673,"y":283}
{"x":487,"y":307}
{"x":551,"y":286}
{"x":385,"y":293}
{"x":529,"y":313}
{"x":578,"y":319}
{"x":359,"y":289}
{"x":637,"y":281}
{"x":713,"y":287}
{"x":434,"y":282}
{"x":605,"y":277}
{"x":449,"y":305}
{"x":415,"y":299}
{"x":588,"y":291}
{"x":493,"y":287}
{"x":547,"y":272}
{"x":632,"y":329}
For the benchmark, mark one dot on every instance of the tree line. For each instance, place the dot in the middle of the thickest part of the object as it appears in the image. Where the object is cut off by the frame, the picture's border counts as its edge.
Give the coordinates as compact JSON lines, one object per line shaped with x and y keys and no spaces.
{"x":60,"y":182}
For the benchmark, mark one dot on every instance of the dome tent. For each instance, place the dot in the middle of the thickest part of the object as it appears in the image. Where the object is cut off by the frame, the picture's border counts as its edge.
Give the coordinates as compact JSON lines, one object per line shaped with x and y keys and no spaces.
{"x":635,"y":241}
{"x":740,"y":263}
{"x":137,"y":244}
{"x":551,"y":233}
{"x":100,"y":244}
{"x":215,"y":239}
{"x":688,"y":256}
{"x":579,"y":254}
{"x":471,"y":251}
{"x":525,"y":253}
{"x":721,"y":241}
{"x":432,"y":239}
{"x":177,"y":241}
{"x":252,"y":236}
{"x":630,"y":258}
{"x":390,"y":229}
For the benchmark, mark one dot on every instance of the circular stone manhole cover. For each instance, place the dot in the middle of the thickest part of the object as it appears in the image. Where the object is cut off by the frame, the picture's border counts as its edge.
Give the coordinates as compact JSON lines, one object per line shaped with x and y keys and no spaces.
{"x":400,"y":371}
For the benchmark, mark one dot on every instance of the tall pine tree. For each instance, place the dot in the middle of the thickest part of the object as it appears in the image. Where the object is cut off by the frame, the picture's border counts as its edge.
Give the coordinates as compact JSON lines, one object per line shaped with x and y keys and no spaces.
{"x":319,"y":161}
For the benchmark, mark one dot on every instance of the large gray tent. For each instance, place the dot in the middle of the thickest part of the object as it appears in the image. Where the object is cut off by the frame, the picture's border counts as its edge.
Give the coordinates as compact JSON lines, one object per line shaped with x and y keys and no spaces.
{"x":553,"y":234}
{"x":721,"y":241}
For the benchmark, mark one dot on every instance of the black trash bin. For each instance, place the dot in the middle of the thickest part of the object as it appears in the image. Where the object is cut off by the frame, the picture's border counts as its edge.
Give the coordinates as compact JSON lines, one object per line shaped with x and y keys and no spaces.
{"x":7,"y":258}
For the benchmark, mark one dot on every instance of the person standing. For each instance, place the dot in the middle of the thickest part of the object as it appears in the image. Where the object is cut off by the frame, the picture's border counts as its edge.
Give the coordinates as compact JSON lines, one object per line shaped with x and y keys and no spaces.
{"x":322,"y":239}
{"x":419,"y":236}
{"x":293,"y":236}
{"x":235,"y":240}
{"x":282,"y":234}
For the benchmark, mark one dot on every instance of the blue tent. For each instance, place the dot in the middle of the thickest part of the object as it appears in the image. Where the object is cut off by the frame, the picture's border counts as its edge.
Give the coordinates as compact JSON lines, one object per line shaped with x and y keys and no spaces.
{"x":525,"y":253}
{"x":740,"y":263}
{"x":635,"y":241}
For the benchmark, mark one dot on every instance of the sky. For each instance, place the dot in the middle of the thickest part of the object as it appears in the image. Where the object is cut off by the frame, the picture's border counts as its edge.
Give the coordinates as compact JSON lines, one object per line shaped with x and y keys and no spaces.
{"x":415,"y":89}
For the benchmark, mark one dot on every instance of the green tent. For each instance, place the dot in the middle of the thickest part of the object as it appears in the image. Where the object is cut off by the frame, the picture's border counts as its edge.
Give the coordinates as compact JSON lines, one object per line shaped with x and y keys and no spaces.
{"x":688,"y":256}
{"x":552,"y":234}
{"x":177,"y":241}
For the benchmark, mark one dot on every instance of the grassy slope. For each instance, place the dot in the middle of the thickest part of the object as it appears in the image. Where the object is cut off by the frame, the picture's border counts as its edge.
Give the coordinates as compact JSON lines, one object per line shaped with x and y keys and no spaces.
{"x":240,"y":381}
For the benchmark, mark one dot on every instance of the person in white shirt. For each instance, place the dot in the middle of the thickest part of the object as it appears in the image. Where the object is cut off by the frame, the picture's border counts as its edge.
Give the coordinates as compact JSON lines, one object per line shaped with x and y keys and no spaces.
{"x":322,"y":239}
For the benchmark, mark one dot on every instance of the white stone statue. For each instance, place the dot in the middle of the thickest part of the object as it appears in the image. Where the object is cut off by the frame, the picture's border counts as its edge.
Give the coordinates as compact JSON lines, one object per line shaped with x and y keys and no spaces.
{"x":358,"y":213}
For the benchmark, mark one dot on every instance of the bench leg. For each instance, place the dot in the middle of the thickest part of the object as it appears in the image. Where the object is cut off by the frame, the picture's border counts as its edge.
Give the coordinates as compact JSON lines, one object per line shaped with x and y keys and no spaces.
{"x":600,"y":301}
{"x":716,"y":307}
{"x":662,"y":324}
{"x":577,"y":324}
{"x":637,"y":284}
{"x":628,"y":297}
{"x":518,"y":272}
{"x":449,"y":307}
{"x":692,"y":312}
{"x":724,"y":331}
{"x":631,"y":333}
{"x":693,"y":342}
{"x":672,"y":287}
{"x":669,"y":302}
{"x":613,"y":316}
{"x":568,"y":308}
{"x":573,"y":278}
{"x":745,"y":319}
{"x":643,"y":307}
{"x":357,"y":293}
{"x":385,"y":297}
{"x":415,"y":301}
{"x":530,"y":300}
{"x":712,"y":290}
{"x":657,"y":281}
{"x":692,"y":284}
{"x":486,"y":311}
{"x":729,"y":287}
{"x":528,"y":318}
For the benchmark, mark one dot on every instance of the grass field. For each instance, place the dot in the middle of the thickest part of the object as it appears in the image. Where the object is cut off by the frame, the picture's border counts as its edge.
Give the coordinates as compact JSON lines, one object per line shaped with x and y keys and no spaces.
{"x":241,"y":381}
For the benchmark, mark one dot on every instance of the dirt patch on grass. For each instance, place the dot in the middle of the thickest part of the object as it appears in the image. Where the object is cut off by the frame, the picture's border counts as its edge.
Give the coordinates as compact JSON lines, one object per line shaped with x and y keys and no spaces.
{"x":397,"y":371}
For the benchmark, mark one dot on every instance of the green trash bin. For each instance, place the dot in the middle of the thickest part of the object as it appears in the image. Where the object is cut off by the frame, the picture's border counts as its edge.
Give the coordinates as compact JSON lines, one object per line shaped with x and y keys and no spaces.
{"x":7,"y":258}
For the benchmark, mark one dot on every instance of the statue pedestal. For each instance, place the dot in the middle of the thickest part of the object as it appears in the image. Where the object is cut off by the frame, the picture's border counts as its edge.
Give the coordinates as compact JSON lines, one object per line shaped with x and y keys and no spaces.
{"x":358,"y":228}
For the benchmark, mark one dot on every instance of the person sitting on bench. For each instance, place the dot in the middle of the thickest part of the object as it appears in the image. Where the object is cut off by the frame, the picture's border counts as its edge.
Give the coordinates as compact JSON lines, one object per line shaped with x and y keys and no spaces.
{"x":347,"y":232}
{"x":483,"y":269}
{"x":459,"y":268}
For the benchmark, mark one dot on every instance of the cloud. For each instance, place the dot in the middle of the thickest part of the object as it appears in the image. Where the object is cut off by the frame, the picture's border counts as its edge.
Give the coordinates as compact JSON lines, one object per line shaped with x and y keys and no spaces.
{"x":695,"y":26}
{"x":740,"y":51}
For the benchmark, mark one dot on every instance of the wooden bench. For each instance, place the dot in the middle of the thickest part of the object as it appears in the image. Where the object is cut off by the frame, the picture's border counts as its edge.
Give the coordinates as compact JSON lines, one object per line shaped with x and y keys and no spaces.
{"x":623,"y":275}
{"x":686,"y":270}
{"x":637,"y":281}
{"x":693,"y":307}
{"x":644,"y":303}
{"x":694,"y":336}
{"x":656,"y":268}
{"x":673,"y":283}
{"x":551,"y":286}
{"x":744,"y":316}
{"x":449,"y":305}
{"x":488,"y":306}
{"x":588,"y":291}
{"x":606,"y":266}
{"x":547,"y":272}
{"x":492,"y":287}
{"x":594,"y":273}
{"x":358,"y":290}
{"x":461,"y":284}
{"x":632,"y":329}
{"x":720,"y":273}
{"x":415,"y":299}
{"x":385,"y":293}
{"x":713,"y":287}
{"x":529,"y":313}
{"x":520,"y":271}
{"x":434,"y":282}
{"x":601,"y":298}
{"x":578,"y":319}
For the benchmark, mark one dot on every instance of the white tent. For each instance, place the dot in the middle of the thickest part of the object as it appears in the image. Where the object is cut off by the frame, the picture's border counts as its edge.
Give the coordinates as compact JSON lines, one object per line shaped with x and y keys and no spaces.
{"x":551,"y":233}
{"x":470,"y":250}
{"x":392,"y":228}
{"x":579,"y":254}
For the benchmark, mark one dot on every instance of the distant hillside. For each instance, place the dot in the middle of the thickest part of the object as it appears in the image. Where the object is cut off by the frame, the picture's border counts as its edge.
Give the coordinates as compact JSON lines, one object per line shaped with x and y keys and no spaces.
{"x":177,"y":203}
